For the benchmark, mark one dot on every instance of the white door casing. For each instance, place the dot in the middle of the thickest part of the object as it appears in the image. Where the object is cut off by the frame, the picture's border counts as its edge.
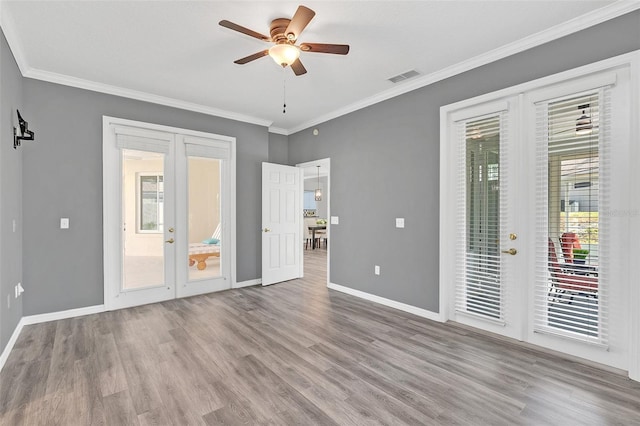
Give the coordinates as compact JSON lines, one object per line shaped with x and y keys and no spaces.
{"x":175,"y":212}
{"x":622,"y":350}
{"x":325,"y":165}
{"x":281,"y":223}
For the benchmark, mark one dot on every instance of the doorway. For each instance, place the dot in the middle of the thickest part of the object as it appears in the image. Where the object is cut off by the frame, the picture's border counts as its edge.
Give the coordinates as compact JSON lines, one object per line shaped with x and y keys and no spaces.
{"x":316,"y":215}
{"x":529,"y":248}
{"x":169,"y":222}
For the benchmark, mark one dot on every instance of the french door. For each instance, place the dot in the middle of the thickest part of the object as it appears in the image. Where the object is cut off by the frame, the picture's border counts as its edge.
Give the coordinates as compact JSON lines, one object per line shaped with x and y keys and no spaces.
{"x":487,"y":240}
{"x":530,"y":247}
{"x":167,"y":213}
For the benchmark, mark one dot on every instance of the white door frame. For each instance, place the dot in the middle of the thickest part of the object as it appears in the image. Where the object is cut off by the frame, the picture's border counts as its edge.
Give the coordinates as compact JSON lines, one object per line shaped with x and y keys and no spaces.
{"x":111,"y":202}
{"x":631,"y":208}
{"x":323,"y":163}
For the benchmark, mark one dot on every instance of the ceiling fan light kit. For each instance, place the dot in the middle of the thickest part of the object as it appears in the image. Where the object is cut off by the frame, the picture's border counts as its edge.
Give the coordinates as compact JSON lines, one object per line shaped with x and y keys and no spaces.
{"x":284,"y":54}
{"x":285,"y":33}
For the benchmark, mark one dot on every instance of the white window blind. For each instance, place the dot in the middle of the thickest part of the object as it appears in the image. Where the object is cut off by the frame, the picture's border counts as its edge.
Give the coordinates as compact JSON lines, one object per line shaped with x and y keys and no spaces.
{"x":208,"y":151}
{"x":142,"y":143}
{"x":480,"y":211}
{"x":572,"y":147}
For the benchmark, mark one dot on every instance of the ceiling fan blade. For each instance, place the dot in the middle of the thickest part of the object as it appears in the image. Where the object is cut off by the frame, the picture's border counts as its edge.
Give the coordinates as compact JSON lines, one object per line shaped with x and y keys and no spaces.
{"x":299,"y":22}
{"x":250,"y":58}
{"x":336,"y":49}
{"x":243,"y":30}
{"x":298,"y":68}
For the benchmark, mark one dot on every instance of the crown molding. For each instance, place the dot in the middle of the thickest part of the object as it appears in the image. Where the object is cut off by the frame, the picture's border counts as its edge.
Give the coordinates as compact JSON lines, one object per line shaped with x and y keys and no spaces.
{"x":141,"y":96}
{"x":13,"y":40}
{"x":574,"y":25}
{"x":587,"y":20}
{"x":279,"y":131}
{"x":66,"y":80}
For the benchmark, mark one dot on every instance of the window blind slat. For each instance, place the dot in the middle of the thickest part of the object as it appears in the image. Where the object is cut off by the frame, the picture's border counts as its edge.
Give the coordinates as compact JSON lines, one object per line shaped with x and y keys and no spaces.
{"x":478,"y":283}
{"x":571,"y":187}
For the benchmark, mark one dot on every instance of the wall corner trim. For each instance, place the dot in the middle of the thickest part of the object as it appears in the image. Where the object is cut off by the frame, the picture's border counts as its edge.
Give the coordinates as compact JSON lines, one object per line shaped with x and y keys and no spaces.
{"x":247,"y":283}
{"x":388,"y":302}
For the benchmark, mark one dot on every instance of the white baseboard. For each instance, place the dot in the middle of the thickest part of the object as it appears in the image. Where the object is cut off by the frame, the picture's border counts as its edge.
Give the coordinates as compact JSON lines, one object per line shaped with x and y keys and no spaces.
{"x":248,"y":283}
{"x":388,"y":302}
{"x":36,"y":319}
{"x":70,"y":313}
{"x":12,"y":341}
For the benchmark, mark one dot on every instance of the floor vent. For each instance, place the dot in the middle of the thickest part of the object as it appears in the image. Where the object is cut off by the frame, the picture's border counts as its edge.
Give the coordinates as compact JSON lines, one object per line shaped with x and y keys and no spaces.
{"x":404,"y":76}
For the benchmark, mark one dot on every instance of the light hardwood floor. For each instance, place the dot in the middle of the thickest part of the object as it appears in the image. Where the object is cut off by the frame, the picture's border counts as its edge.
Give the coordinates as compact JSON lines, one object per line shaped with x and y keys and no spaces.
{"x":293,"y":353}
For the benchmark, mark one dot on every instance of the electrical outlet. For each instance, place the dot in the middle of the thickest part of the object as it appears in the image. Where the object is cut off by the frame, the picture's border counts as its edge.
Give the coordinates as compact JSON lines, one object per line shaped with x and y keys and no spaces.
{"x":399,"y":222}
{"x":376,"y":270}
{"x":64,"y":223}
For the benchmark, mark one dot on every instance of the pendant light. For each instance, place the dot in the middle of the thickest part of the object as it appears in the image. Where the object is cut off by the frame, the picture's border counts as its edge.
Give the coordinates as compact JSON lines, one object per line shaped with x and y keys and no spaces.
{"x":318,"y":189}
{"x":583,"y":124}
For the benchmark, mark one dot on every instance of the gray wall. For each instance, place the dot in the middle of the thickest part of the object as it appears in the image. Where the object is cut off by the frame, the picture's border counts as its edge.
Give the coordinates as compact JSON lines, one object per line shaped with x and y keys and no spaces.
{"x":11,"y":190}
{"x":278,"y":149}
{"x":384,"y":164}
{"x":63,"y":178}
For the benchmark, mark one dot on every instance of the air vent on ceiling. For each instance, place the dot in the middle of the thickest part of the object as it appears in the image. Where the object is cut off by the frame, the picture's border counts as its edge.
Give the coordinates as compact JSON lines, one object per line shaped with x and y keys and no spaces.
{"x":404,"y":76}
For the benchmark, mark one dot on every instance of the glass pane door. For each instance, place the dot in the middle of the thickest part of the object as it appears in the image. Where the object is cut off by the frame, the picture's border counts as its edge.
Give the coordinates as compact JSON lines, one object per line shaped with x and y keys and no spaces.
{"x":204,"y":217}
{"x":481,"y":293}
{"x":569,"y":296}
{"x":143,"y":254}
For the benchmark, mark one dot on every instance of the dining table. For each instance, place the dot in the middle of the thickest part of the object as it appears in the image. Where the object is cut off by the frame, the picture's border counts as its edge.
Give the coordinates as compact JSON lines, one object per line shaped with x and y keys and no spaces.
{"x":313,"y":230}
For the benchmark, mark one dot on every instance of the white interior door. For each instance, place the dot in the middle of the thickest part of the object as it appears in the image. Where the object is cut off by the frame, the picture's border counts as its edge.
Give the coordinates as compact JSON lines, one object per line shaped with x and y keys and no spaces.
{"x":281,"y":223}
{"x":532,"y":247}
{"x":169,"y":213}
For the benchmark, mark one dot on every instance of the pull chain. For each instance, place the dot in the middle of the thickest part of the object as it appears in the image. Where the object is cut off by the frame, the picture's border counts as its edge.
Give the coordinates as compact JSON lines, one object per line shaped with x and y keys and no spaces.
{"x":284,"y":91}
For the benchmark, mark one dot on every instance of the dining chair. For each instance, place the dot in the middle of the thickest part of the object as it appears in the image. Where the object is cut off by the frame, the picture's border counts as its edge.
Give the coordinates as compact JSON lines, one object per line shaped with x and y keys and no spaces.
{"x":568,"y":242}
{"x":309,"y":221}
{"x":569,"y":278}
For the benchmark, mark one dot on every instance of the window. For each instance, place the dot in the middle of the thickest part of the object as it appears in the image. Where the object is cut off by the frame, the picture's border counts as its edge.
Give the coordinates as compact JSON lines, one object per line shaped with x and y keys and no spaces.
{"x":569,"y":297}
{"x":150,"y":203}
{"x":479,"y":290}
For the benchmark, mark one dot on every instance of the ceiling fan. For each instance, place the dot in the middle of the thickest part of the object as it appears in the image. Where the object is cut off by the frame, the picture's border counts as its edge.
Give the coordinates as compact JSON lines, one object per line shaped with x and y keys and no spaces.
{"x":284,"y":33}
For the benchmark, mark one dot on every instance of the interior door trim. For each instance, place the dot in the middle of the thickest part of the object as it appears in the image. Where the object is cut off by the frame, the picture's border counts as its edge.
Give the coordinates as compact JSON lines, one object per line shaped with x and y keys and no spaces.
{"x":111,"y":191}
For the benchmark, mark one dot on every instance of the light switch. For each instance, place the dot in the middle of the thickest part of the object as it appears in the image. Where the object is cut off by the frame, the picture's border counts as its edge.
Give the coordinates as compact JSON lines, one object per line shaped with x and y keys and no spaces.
{"x":399,"y":222}
{"x":64,"y":223}
{"x":334,"y":220}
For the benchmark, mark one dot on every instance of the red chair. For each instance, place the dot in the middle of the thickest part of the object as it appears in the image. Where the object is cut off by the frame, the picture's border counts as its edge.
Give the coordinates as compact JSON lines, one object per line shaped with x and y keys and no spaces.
{"x":568,"y":277}
{"x":568,"y":242}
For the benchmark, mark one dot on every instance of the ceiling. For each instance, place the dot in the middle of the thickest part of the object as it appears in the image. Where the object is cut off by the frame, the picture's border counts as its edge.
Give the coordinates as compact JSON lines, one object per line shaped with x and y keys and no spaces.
{"x":174,"y":52}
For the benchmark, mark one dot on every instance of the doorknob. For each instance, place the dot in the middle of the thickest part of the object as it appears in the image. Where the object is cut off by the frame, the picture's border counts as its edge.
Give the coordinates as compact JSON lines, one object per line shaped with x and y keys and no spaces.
{"x":170,"y":241}
{"x":267,"y":230}
{"x":171,"y":229}
{"x":511,"y":251}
